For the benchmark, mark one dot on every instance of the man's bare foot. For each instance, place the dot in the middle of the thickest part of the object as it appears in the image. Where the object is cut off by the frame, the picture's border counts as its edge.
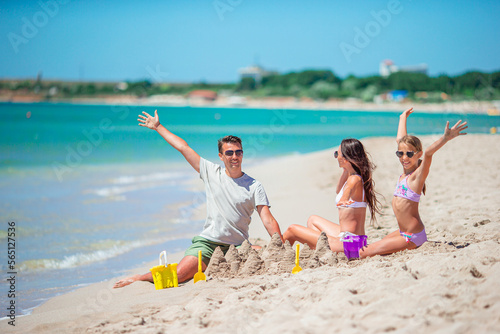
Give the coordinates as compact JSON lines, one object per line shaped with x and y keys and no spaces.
{"x":126,"y":281}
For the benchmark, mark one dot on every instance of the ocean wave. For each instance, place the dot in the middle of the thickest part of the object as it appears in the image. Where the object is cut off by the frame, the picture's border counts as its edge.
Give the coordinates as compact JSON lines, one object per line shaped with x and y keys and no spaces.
{"x":81,"y":259}
{"x":125,"y":184}
{"x":126,"y":179}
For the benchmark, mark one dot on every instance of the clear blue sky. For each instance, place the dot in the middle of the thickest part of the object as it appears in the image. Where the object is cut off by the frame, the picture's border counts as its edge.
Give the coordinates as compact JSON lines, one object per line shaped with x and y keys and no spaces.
{"x":194,"y":40}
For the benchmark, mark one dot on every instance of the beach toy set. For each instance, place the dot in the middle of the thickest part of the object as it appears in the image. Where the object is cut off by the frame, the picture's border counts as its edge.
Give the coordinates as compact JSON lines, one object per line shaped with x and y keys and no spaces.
{"x":352,"y":244}
{"x":165,"y":275}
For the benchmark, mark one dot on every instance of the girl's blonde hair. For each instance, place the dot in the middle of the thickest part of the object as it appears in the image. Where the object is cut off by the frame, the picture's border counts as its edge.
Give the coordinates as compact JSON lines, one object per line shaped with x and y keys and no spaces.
{"x":417,"y":144}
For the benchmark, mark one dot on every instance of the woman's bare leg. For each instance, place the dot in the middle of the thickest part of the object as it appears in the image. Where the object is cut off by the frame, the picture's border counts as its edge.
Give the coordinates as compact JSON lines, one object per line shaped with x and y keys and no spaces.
{"x":301,"y":234}
{"x":335,"y":244}
{"x":320,"y":224}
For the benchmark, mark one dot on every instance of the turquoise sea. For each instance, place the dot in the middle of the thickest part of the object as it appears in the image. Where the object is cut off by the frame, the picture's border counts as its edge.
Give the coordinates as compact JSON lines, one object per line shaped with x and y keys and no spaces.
{"x":93,"y":194}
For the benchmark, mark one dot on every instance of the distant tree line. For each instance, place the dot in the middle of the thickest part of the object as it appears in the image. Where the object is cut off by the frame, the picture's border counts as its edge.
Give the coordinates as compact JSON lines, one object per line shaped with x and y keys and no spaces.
{"x":142,"y":88}
{"x":315,"y":84}
{"x":323,"y":84}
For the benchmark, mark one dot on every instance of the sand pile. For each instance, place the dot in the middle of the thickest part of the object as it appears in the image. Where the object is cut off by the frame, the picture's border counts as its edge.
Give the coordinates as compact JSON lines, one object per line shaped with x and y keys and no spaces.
{"x":275,"y":258}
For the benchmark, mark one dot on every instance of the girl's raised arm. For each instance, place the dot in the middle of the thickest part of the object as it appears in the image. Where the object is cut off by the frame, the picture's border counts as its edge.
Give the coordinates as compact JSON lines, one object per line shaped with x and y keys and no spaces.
{"x":448,"y":135}
{"x":402,"y":123}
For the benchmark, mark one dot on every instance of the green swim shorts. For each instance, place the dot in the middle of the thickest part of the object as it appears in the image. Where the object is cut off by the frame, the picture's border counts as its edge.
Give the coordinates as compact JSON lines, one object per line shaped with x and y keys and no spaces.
{"x":207,"y":248}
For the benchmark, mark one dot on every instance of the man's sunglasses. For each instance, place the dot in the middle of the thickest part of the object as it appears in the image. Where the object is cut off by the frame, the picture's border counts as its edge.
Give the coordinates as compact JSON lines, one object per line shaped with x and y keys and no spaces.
{"x":336,"y":154}
{"x":409,"y":154}
{"x":229,"y":153}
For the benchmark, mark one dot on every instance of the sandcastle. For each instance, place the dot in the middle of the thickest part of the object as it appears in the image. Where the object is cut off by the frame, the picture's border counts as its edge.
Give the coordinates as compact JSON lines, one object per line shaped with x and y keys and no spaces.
{"x":275,"y":258}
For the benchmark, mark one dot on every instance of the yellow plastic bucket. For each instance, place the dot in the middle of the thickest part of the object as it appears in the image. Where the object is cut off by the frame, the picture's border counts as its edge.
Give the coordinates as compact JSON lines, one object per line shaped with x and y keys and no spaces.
{"x":165,"y":276}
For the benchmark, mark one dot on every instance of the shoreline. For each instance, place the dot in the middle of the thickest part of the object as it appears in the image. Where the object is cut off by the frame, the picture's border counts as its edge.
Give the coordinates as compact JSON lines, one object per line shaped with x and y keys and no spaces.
{"x":448,"y":283}
{"x":491,"y":108}
{"x":45,"y":275}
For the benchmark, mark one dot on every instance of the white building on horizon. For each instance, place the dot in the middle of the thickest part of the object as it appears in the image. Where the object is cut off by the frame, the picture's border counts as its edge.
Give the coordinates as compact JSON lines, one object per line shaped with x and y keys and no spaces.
{"x":387,"y":67}
{"x":255,"y":71}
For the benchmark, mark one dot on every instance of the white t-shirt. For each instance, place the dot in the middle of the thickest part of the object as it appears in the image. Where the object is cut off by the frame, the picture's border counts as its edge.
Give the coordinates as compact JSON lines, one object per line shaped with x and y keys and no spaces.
{"x":230,"y":204}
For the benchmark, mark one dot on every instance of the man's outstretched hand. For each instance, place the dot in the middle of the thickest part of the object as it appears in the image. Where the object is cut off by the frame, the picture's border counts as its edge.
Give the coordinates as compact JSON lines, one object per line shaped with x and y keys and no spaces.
{"x":149,"y":121}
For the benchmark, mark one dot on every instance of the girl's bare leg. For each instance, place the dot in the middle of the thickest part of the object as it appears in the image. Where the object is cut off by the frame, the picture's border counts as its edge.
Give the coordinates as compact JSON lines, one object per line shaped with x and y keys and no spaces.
{"x":391,"y":243}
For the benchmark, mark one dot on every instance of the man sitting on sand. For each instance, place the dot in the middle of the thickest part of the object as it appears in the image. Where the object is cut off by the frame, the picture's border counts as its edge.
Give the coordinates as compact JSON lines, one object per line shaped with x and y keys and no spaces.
{"x":232,"y":196}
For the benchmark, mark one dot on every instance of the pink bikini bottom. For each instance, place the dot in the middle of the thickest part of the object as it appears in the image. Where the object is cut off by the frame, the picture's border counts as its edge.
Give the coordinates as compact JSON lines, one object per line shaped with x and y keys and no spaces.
{"x":417,"y":238}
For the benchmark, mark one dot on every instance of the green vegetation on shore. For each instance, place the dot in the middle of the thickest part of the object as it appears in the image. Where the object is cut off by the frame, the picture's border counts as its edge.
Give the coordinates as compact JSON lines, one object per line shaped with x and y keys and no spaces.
{"x":324,"y":85}
{"x":315,"y":84}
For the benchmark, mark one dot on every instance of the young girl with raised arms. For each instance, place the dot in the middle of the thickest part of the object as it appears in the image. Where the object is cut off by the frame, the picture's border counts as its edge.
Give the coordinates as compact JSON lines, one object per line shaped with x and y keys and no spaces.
{"x":411,"y":185}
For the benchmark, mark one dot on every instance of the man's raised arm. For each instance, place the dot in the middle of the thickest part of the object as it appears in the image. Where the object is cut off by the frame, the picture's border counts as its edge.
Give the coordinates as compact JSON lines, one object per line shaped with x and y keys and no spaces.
{"x":176,"y":142}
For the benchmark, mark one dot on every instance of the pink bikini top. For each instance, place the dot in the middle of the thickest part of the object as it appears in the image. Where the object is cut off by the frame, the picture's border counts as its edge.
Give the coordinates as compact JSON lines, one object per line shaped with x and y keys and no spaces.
{"x":404,"y":190}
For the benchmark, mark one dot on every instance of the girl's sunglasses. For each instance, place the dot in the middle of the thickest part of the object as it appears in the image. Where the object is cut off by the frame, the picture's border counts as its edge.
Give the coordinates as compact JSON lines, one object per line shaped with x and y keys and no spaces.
{"x":409,"y":154}
{"x":229,"y":153}
{"x":336,"y":154}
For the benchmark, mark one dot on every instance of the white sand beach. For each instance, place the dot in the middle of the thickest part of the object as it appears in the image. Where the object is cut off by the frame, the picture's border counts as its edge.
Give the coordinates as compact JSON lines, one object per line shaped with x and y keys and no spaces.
{"x":449,"y":285}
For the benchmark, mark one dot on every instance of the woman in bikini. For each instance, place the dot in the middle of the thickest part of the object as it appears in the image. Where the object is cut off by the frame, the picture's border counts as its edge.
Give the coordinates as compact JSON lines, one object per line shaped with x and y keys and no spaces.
{"x":355,"y":192}
{"x":411,"y":184}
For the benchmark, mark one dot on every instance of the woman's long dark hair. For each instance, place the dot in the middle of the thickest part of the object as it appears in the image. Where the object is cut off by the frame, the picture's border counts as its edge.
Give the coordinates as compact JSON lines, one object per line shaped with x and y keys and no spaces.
{"x":354,"y":152}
